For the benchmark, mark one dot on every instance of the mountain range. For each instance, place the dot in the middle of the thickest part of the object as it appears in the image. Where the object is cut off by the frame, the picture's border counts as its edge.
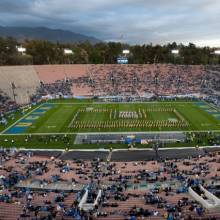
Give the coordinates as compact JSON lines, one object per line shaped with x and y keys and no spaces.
{"x":44,"y":33}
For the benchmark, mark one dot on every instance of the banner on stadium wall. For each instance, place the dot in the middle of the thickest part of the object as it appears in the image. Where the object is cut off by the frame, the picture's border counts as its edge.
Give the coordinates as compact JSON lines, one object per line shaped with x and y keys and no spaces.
{"x":82,"y":97}
{"x":193,"y":95}
{"x":144,"y":141}
{"x":128,"y":141}
{"x":137,"y":141}
{"x":46,"y":97}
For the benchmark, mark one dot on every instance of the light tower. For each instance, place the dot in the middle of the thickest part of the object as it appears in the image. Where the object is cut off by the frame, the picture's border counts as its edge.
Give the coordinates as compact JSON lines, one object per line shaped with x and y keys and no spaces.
{"x":175,"y":53}
{"x":21,"y":50}
{"x":123,"y":59}
{"x":123,"y":56}
{"x":68,"y":52}
{"x":216,"y":53}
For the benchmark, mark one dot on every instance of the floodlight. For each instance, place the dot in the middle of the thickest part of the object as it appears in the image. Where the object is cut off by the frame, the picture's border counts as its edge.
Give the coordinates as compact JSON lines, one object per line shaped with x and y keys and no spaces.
{"x":217,"y":52}
{"x":21,"y":49}
{"x":175,"y":51}
{"x":126,"y":51}
{"x":68,"y":51}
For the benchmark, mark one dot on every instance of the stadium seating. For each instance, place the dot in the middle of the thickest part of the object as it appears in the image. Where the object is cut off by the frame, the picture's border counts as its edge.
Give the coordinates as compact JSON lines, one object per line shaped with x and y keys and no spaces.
{"x":52,"y":73}
{"x":135,"y":185}
{"x":109,"y":80}
{"x":131,"y":190}
{"x":140,"y":79}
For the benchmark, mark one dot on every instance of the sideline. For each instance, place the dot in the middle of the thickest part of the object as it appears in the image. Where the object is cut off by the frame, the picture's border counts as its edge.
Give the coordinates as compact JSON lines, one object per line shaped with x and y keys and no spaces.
{"x":118,"y":103}
{"x":112,"y":132}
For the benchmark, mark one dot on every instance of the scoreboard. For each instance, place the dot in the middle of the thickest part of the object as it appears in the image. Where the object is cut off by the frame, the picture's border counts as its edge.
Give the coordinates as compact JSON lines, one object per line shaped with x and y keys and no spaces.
{"x":122,"y":60}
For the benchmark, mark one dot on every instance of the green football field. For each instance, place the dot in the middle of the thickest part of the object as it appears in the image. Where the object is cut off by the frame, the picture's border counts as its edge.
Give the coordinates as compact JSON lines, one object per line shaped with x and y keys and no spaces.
{"x":74,"y":117}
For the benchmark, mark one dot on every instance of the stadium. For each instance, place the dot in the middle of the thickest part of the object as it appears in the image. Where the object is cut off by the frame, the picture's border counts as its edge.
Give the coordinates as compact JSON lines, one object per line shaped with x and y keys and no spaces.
{"x":102,"y":117}
{"x":81,"y":132}
{"x":78,"y":101}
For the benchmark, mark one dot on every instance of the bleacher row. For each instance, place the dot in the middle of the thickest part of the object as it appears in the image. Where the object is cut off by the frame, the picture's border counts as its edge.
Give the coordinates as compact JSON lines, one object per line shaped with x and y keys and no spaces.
{"x":132,"y":190}
{"x":107,"y":80}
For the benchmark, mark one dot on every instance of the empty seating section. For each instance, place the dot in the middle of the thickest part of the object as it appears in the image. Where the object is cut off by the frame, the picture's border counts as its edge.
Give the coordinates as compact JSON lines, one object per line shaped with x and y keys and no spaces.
{"x":24,"y":80}
{"x":52,"y":73}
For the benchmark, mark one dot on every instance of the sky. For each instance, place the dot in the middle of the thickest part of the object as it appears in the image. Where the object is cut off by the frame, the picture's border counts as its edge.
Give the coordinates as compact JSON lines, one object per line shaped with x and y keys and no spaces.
{"x":130,"y":21}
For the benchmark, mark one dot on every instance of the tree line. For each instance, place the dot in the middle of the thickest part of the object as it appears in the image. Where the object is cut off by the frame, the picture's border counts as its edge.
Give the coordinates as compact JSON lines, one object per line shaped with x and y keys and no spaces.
{"x":45,"y":52}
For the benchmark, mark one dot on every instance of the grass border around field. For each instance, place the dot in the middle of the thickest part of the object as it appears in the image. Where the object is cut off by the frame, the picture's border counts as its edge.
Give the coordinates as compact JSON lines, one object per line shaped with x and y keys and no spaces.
{"x":50,"y":142}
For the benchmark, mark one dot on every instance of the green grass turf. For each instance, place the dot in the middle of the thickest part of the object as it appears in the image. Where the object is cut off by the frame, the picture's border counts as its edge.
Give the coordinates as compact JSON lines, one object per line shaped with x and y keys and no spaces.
{"x":58,"y":119}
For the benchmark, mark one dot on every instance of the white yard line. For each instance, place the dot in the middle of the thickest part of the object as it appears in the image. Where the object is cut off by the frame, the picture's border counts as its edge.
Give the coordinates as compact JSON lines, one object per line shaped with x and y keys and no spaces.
{"x":20,"y":119}
{"x":74,"y":118}
{"x":212,"y":106}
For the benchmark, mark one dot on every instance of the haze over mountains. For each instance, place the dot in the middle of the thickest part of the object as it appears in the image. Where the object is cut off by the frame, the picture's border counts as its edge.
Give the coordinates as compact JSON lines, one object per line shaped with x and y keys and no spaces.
{"x":44,"y":33}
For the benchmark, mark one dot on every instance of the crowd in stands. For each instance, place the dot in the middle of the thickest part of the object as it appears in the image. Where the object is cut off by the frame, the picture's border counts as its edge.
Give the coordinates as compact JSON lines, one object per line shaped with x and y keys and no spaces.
{"x":141,"y":79}
{"x":213,"y":78}
{"x":130,"y":190}
{"x":136,"y":80}
{"x":211,"y":86}
{"x":6,"y":106}
{"x":60,"y":88}
{"x":110,"y":80}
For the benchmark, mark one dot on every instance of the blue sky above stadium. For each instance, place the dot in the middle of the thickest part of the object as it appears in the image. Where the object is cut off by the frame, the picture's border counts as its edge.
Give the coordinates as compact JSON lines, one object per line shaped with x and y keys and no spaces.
{"x":140,"y":21}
